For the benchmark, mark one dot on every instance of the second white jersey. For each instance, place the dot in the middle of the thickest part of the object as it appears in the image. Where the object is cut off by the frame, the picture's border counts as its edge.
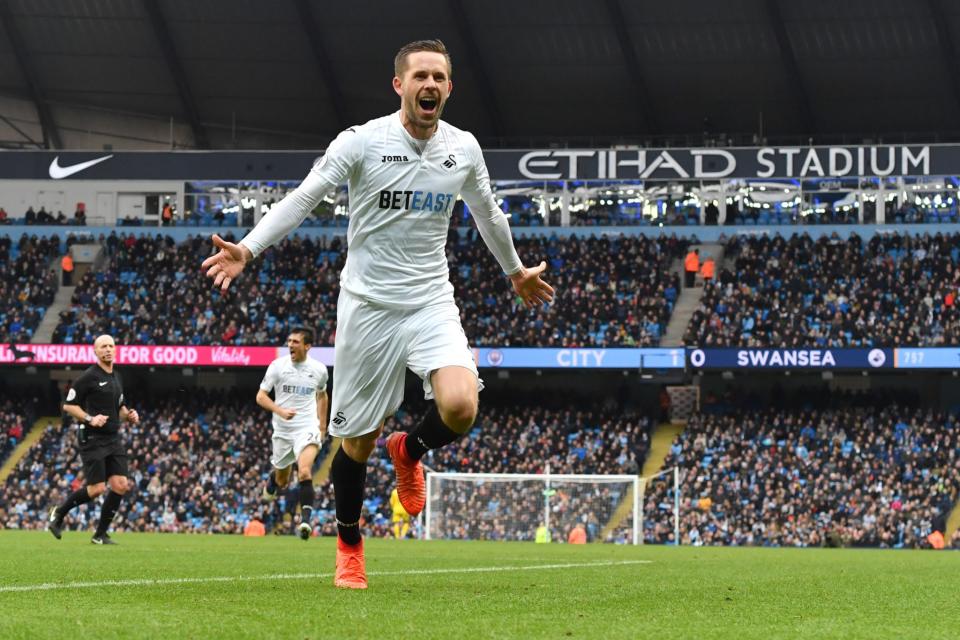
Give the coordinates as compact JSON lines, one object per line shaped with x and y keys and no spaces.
{"x":295,"y":386}
{"x":402,"y":193}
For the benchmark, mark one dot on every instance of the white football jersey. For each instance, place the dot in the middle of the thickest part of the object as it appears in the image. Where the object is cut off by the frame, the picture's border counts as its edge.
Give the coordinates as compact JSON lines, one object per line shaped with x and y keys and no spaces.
{"x":402,"y":193}
{"x":295,"y":386}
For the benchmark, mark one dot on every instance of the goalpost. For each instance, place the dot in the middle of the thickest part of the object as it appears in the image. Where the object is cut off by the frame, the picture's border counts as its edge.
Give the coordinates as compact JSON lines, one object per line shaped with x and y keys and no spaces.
{"x":512,"y":506}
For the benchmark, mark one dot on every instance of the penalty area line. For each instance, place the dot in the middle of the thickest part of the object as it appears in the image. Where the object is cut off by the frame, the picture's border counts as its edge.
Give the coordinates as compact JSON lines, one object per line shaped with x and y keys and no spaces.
{"x":160,"y":582}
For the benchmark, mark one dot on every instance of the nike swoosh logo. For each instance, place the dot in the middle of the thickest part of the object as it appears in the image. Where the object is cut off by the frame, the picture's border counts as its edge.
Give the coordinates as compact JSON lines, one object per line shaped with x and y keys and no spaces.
{"x":103,"y":383}
{"x":57,"y":172}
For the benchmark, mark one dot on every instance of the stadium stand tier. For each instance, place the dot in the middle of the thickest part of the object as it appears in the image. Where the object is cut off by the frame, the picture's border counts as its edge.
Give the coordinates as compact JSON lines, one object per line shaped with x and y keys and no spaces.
{"x":859,"y":472}
{"x":27,"y":286}
{"x":613,"y":291}
{"x":831,"y":292}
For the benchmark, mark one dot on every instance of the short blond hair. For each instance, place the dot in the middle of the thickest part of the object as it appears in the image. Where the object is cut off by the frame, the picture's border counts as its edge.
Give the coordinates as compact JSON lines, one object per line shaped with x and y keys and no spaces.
{"x":431,"y":46}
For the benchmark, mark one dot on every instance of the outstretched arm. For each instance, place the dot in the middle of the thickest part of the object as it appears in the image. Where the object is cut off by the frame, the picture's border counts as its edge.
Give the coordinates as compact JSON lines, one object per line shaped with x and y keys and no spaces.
{"x":331,"y":170}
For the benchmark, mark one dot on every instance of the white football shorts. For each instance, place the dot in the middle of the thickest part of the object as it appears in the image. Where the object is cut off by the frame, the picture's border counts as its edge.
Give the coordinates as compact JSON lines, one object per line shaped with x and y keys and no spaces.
{"x":287,"y":447}
{"x":374,"y":347}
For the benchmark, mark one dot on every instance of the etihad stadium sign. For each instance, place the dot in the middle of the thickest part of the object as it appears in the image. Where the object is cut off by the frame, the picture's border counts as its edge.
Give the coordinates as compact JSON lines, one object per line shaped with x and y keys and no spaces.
{"x":714,"y":163}
{"x":518,"y":164}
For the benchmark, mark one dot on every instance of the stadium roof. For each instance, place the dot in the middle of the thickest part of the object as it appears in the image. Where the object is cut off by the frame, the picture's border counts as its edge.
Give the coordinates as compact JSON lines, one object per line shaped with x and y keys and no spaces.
{"x":525,"y":73}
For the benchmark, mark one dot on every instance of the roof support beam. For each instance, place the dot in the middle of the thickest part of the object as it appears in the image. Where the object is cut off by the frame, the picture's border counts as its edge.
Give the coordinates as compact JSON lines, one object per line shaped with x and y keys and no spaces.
{"x":23,"y":133}
{"x":51,"y":136}
{"x":324,"y":65}
{"x":644,"y":100}
{"x":475,"y":61}
{"x":162,"y":31}
{"x":789,"y":60}
{"x":948,"y":48}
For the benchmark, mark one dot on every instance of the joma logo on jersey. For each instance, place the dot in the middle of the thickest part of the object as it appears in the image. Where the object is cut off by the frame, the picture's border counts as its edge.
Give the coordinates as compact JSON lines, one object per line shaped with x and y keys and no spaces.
{"x":394,"y":159}
{"x":417,"y":201}
{"x":339,"y":419}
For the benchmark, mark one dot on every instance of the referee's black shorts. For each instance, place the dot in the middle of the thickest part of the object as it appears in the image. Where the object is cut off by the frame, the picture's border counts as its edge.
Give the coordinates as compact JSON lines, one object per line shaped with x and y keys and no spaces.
{"x":103,"y":458}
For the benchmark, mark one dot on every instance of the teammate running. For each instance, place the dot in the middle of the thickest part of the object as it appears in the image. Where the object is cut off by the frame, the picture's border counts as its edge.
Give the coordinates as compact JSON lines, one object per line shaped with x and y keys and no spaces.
{"x":396,"y":308}
{"x":299,"y":384}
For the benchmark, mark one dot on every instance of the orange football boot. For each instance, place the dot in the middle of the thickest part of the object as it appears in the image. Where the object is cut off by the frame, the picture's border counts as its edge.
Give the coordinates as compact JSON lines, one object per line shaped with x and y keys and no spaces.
{"x":351,"y":569}
{"x":411,"y":488}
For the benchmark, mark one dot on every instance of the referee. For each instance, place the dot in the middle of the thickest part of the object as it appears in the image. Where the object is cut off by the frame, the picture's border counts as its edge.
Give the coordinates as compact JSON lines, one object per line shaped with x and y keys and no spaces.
{"x":96,"y":401}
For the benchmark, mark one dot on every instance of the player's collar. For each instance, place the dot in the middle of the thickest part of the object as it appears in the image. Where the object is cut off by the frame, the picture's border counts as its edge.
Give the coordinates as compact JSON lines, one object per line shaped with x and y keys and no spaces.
{"x":418,"y":144}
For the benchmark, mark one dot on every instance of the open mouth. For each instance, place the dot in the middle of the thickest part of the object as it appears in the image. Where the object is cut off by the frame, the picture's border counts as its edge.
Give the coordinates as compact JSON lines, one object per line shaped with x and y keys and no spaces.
{"x":428,"y":104}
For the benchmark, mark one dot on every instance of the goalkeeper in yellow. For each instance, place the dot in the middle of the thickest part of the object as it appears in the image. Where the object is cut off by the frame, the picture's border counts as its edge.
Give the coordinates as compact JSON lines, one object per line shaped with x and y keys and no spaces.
{"x":400,"y":520}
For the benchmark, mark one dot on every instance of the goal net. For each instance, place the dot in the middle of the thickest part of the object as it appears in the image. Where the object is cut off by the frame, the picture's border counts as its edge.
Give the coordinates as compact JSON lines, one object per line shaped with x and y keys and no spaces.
{"x":506,"y":506}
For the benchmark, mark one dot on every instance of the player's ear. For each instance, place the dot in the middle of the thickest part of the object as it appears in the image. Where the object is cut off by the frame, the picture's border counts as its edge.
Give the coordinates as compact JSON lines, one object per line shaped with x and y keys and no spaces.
{"x":397,"y":86}
{"x":449,"y":87}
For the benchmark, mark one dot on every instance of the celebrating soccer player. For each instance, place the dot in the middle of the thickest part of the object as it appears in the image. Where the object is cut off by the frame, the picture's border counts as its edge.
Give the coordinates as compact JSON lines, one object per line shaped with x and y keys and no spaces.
{"x":96,"y":401}
{"x":396,"y":307}
{"x":299,"y":408}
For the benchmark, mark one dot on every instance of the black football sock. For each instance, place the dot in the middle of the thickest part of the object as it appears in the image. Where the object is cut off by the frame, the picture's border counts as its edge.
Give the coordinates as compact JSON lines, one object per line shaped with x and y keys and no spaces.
{"x":348,"y":477}
{"x":77,"y":498}
{"x":431,"y":433}
{"x":272,"y":483}
{"x":109,"y":509}
{"x":306,"y":500}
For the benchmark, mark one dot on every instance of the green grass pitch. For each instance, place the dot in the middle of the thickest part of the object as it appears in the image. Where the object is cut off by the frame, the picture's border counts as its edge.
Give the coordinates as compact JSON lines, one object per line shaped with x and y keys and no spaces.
{"x":182,"y":586}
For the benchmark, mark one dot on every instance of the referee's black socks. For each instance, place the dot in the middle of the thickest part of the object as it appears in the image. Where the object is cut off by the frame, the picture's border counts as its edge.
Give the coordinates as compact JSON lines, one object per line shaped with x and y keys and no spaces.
{"x":431,"y":433}
{"x":348,"y":477}
{"x":109,"y":509}
{"x":77,"y":498}
{"x":306,"y":499}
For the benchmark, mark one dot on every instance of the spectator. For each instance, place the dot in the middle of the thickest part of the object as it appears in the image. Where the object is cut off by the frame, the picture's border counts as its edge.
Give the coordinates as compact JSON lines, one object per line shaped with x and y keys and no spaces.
{"x":66,"y":265}
{"x":708,"y":270}
{"x":255,"y":528}
{"x":691,"y":265}
{"x":578,"y":535}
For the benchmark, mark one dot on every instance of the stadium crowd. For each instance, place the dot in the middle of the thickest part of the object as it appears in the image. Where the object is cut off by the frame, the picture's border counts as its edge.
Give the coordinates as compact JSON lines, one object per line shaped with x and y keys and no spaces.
{"x":869,"y":474}
{"x":153,"y":292}
{"x":613,"y":291}
{"x":44,"y":217}
{"x":833,"y":292}
{"x":866,"y":474}
{"x":27,"y":285}
{"x":15,"y":417}
{"x":198,"y":462}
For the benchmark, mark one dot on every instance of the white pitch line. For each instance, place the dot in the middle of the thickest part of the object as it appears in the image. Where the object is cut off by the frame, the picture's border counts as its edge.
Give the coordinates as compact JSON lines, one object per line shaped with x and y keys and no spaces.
{"x":51,"y":586}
